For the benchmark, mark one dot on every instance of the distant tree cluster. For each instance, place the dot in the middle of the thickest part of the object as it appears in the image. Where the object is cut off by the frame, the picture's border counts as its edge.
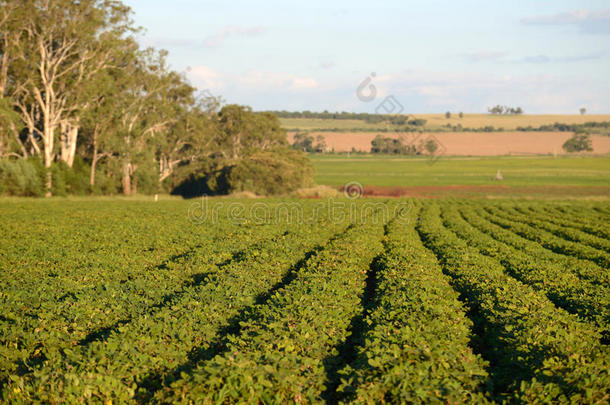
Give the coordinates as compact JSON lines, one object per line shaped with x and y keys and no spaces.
{"x":307,"y":143}
{"x":84,"y":109}
{"x":579,"y":142}
{"x":600,"y":128}
{"x":505,"y":110}
{"x":398,"y":146}
{"x":344,"y":115}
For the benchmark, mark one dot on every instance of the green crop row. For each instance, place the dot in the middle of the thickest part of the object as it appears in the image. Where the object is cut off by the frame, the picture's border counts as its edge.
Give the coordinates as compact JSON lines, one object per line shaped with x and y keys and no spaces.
{"x":582,"y":223}
{"x":105,"y":301}
{"x":586,"y":269}
{"x":573,"y":235}
{"x":539,"y":353}
{"x":563,"y":288}
{"x":62,"y":319}
{"x":416,"y":347}
{"x":282,"y":353}
{"x":138,"y":355}
{"x":547,"y":239}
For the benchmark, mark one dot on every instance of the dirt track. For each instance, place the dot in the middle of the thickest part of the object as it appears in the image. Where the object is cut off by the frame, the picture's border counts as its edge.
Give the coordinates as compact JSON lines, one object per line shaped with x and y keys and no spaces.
{"x":468,"y":143}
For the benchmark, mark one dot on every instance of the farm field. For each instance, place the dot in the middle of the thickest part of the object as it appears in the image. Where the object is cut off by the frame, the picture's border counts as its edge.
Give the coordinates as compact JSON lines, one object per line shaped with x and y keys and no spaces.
{"x":298,"y":301}
{"x":466,"y":143}
{"x":553,"y":176}
{"x":437,"y":121}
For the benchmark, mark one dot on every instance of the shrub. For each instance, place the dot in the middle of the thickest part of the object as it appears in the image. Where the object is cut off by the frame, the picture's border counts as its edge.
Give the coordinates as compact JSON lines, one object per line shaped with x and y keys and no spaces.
{"x":271,"y":172}
{"x":578,"y":143}
{"x":20,"y":178}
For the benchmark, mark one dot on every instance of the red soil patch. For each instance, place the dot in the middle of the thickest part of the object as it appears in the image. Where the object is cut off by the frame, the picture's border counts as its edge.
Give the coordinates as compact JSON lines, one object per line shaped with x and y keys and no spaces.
{"x":485,"y":190}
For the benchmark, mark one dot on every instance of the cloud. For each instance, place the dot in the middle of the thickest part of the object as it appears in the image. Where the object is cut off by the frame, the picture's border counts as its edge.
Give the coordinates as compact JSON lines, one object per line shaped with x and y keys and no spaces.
{"x":419,"y":91}
{"x":564,"y":59}
{"x":589,"y":21}
{"x":205,"y":78}
{"x":425,"y":91}
{"x":536,"y":59}
{"x":303,"y":83}
{"x":212,"y":41}
{"x":169,"y":42}
{"x":266,"y":81}
{"x":326,"y":65}
{"x":485,"y":56}
{"x":229,"y":31}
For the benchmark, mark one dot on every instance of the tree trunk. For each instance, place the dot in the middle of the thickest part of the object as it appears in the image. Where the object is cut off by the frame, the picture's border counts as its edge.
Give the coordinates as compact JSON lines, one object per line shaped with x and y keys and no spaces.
{"x":93,"y":161}
{"x":69,"y":136}
{"x":48,"y":156}
{"x":126,"y":181}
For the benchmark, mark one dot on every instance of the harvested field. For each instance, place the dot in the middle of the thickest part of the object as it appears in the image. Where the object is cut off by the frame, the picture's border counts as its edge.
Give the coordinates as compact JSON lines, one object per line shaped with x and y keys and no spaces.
{"x":439,"y":121}
{"x":468,"y":143}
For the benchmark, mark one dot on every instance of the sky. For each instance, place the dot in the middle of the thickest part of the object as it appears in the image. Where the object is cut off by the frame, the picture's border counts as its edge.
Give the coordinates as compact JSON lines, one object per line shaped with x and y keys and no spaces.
{"x":397,"y":56}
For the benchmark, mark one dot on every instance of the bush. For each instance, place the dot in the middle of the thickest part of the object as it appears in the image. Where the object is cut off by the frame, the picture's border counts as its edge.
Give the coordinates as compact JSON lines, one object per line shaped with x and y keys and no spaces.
{"x":578,"y":143}
{"x":270,"y":172}
{"x":418,"y":122}
{"x":27,"y":178}
{"x":20,"y":178}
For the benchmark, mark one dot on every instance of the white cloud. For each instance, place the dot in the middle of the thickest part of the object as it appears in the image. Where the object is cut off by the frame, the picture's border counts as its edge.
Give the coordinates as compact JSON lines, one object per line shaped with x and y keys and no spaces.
{"x":266,"y":81}
{"x":205,"y":78}
{"x":225,"y":33}
{"x":485,"y":56}
{"x":589,"y":21}
{"x":417,"y":90}
{"x":563,"y":59}
{"x":474,"y":92}
{"x":304,"y":83}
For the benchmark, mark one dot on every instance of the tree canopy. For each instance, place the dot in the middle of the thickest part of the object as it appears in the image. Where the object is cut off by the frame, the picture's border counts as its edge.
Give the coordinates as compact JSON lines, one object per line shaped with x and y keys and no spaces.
{"x":76,"y":89}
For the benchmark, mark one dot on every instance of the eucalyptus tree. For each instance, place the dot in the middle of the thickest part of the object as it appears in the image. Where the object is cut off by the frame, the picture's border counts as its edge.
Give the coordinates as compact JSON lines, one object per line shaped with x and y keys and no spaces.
{"x":64,"y":45}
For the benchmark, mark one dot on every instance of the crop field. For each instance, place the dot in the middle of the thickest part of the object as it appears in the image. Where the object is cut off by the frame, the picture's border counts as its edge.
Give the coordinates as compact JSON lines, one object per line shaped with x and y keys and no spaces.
{"x":437,"y":121}
{"x":566,"y":176}
{"x":466,"y":143}
{"x":304,"y":301}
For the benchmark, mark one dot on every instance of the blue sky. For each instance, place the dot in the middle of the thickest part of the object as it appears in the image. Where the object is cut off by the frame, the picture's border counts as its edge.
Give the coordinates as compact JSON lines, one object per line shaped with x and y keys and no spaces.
{"x":431,"y":56}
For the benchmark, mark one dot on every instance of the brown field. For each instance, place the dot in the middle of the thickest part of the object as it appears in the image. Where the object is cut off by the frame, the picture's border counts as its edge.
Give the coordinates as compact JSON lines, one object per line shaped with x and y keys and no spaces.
{"x":509,"y":122}
{"x":436,"y":122}
{"x":468,"y":143}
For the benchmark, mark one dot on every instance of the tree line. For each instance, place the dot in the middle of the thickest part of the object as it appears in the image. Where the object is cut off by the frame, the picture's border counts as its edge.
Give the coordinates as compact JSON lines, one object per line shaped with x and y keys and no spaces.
{"x":504,"y":110}
{"x":344,"y":115}
{"x":79,"y":95}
